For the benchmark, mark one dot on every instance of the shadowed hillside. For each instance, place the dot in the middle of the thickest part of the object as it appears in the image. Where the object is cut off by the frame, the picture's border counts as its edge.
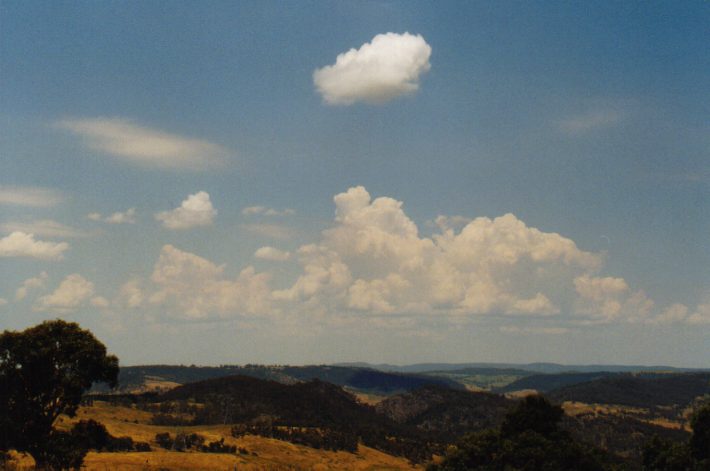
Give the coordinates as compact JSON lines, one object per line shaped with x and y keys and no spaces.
{"x":446,"y":413}
{"x":313,"y":412}
{"x":242,"y":398}
{"x":638,"y":391}
{"x":548,"y":382}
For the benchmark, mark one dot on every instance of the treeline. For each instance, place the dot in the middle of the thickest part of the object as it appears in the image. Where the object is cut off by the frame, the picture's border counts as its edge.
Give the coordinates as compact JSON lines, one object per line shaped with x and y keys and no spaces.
{"x":92,"y":435}
{"x":619,"y":433}
{"x":319,"y":438}
{"x":193,"y":441}
{"x":315,"y":413}
{"x":529,"y":438}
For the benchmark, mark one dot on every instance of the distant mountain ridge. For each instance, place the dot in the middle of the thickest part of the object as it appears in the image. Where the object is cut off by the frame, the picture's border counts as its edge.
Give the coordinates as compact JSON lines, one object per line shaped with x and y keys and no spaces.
{"x":546,"y":368}
{"x":369,"y":380}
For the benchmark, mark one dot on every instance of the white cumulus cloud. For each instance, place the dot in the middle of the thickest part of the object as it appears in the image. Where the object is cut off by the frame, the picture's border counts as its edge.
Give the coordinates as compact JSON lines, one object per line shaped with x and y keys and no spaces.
{"x":701,"y":315}
{"x":605,"y":299}
{"x":131,"y":294}
{"x":31,"y":284}
{"x":196,"y":210}
{"x":273,"y":254}
{"x":22,"y":244}
{"x":144,"y":146}
{"x":196,"y":288}
{"x":674,"y":313}
{"x":374,"y":260}
{"x":385,"y":68}
{"x":71,"y":293}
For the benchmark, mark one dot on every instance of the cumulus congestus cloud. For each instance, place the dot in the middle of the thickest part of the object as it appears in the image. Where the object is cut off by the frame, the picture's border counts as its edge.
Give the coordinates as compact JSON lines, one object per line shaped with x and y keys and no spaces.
{"x":374,"y":260}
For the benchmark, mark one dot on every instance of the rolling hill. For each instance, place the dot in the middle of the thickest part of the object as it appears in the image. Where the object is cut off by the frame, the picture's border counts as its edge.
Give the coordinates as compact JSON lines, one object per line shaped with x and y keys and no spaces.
{"x":638,"y":390}
{"x":138,"y":378}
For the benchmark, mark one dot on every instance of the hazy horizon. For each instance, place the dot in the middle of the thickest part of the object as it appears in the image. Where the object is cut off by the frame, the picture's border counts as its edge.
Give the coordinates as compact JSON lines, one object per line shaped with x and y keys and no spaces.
{"x":387,"y":182}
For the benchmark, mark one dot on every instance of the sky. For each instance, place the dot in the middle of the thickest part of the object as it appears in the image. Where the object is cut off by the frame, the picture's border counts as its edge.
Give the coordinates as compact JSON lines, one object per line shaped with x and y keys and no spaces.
{"x":382,"y":181}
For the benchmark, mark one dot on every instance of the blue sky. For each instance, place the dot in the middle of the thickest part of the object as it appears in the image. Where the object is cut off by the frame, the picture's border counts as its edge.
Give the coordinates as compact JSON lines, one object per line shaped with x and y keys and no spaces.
{"x":231,"y":182}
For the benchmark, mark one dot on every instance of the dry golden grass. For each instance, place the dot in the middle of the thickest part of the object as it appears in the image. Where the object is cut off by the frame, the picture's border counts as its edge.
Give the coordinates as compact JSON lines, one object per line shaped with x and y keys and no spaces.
{"x":20,"y":462}
{"x":578,"y":408}
{"x":367,"y":398}
{"x":263,"y":453}
{"x":522,"y":393}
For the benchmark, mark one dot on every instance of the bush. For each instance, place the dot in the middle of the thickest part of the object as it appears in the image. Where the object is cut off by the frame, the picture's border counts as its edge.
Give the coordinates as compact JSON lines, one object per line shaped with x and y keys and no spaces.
{"x":92,"y":435}
{"x":163,"y":440}
{"x":141,"y":447}
{"x":218,"y":447}
{"x":169,"y":420}
{"x":182,"y":441}
{"x":319,"y":438}
{"x":120,"y":444}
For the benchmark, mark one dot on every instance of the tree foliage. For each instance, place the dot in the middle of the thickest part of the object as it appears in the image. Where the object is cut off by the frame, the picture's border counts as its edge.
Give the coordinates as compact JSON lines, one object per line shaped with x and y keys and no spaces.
{"x":44,"y":370}
{"x":665,"y":455}
{"x":700,"y":441}
{"x":529,"y":439}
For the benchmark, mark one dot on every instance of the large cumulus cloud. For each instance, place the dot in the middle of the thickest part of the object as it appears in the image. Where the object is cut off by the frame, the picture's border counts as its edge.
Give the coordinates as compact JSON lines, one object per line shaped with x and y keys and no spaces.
{"x":374,"y":260}
{"x":193,"y":287}
{"x":373,"y":263}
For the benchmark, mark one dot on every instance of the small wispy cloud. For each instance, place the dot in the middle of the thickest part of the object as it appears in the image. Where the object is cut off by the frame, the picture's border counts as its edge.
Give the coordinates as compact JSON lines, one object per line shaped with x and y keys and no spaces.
{"x":145,"y":146}
{"x":379,"y":71}
{"x":35,"y":197}
{"x":585,"y":122}
{"x":272,"y":254}
{"x":43,"y":227}
{"x":120,"y":217}
{"x":272,"y":231}
{"x":515,"y":330}
{"x":264,"y":211}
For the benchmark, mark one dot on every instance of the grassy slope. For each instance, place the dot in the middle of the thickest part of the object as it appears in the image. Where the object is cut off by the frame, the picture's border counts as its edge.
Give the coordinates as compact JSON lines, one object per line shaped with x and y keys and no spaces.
{"x":269,"y":454}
